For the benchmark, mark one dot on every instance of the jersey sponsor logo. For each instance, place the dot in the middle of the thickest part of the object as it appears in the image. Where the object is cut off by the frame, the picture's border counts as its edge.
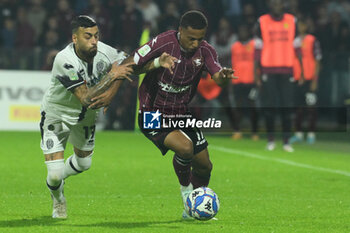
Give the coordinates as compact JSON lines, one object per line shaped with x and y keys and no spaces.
{"x":73,"y":75}
{"x":151,"y":120}
{"x":144,"y":50}
{"x":171,"y":88}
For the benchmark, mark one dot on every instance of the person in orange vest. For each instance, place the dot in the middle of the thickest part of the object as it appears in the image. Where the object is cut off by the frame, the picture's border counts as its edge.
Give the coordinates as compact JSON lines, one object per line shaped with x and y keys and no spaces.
{"x":305,"y":92}
{"x":244,"y":89}
{"x":277,"y":31}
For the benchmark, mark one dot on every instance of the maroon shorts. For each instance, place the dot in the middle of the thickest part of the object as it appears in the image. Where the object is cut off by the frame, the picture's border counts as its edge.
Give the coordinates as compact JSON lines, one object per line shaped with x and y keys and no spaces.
{"x":157,"y":136}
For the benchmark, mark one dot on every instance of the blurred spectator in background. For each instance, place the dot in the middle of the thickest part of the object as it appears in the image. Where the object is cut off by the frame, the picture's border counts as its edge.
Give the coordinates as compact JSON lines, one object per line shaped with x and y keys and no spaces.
{"x":7,"y":9}
{"x":248,"y":15}
{"x":51,"y":25}
{"x":8,"y":33}
{"x":128,"y":26}
{"x":244,"y":89}
{"x":233,"y":10}
{"x":7,"y":37}
{"x":170,"y":19}
{"x":222,"y":39}
{"x":340,"y":6}
{"x":305,"y":92}
{"x":25,"y":40}
{"x":150,"y":13}
{"x":64,"y":15}
{"x":102,"y":16}
{"x":278,"y":32}
{"x":36,"y":16}
{"x":50,"y":57}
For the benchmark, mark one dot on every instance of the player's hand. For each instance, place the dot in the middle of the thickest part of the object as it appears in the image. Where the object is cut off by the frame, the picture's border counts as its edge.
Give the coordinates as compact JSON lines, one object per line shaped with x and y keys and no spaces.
{"x":227,"y":73}
{"x":102,"y":100}
{"x":168,"y":62}
{"x":122,"y":71}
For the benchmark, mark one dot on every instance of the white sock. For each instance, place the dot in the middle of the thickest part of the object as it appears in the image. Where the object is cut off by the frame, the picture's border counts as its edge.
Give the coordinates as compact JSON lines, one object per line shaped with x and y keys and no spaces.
{"x":54,"y":178}
{"x":75,"y":165}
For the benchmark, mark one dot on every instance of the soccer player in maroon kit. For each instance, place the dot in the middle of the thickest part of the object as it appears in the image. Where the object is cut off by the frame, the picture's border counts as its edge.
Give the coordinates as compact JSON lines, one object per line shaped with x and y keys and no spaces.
{"x":168,"y":89}
{"x":170,"y":92}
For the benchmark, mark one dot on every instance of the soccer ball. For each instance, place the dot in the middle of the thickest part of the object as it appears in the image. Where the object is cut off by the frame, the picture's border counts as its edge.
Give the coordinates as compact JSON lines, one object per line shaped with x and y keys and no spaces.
{"x":202,"y":203}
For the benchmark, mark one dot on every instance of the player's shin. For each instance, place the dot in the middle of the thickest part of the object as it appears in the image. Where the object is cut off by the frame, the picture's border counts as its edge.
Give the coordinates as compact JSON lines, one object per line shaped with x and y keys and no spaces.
{"x":200,"y":175}
{"x":182,"y":169}
{"x":75,"y":165}
{"x":54,"y":178}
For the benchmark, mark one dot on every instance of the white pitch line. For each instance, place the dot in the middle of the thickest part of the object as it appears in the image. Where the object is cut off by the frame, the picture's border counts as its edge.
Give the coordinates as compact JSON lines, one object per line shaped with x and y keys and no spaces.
{"x":284,"y":161}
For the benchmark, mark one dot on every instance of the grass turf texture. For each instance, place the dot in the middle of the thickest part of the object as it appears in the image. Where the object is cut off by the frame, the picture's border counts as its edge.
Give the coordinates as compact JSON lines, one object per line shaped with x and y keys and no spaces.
{"x":132,"y":188}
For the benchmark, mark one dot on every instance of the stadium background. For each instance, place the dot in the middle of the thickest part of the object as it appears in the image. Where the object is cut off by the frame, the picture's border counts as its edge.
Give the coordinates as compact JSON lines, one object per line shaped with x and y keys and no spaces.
{"x":32,"y":31}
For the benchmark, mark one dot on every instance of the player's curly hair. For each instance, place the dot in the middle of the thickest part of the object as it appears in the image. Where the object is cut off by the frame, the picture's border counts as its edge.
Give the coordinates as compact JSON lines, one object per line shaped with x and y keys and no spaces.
{"x":84,"y":21}
{"x":194,"y":19}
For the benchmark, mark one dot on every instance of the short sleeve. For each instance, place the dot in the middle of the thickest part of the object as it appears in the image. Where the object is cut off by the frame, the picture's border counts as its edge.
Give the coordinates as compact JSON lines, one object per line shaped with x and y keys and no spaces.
{"x":65,"y":71}
{"x":152,"y":49}
{"x":211,"y":59}
{"x":113,"y":54}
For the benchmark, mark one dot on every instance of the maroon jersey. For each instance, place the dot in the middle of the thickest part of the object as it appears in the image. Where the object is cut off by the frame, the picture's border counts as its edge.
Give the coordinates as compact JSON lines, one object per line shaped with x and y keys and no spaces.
{"x":171,"y":93}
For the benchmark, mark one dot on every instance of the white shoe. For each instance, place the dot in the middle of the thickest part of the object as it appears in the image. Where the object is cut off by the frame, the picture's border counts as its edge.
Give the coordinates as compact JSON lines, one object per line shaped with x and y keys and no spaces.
{"x":271,"y":146}
{"x":186,"y":216}
{"x":288,"y":148}
{"x":185,"y":191}
{"x":59,"y":208}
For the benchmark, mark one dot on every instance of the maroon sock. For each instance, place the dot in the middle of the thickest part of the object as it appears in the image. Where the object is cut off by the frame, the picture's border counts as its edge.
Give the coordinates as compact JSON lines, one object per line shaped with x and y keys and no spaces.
{"x":182,"y":169}
{"x":199,"y":181}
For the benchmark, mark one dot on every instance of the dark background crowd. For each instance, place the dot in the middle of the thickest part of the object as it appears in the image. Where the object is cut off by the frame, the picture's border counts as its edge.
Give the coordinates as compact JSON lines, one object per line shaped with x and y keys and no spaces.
{"x":33,"y":31}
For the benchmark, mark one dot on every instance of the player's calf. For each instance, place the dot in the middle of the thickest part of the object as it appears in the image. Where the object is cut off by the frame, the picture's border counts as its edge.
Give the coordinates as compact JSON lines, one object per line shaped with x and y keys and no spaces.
{"x":54,"y":178}
{"x":75,"y":165}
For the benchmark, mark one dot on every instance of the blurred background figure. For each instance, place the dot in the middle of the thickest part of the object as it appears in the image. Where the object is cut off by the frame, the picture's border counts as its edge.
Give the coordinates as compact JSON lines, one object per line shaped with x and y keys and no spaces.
{"x":150,"y":12}
{"x":244,"y":89}
{"x":170,"y":19}
{"x":277,"y":31}
{"x":305,"y":91}
{"x":222,"y":39}
{"x":128,"y":23}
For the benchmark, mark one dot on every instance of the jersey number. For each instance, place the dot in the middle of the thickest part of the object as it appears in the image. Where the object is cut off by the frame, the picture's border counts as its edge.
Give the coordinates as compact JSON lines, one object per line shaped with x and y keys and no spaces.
{"x":92,"y":129}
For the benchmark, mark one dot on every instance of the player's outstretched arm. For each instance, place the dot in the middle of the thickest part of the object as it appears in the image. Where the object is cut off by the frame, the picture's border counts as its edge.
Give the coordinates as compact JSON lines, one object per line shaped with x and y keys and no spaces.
{"x":117,"y":72}
{"x":223,"y":76}
{"x":165,"y":60}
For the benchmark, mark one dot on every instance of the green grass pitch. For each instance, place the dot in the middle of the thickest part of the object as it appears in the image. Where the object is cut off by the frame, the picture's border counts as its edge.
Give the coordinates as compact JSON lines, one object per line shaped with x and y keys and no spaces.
{"x":132,"y":188}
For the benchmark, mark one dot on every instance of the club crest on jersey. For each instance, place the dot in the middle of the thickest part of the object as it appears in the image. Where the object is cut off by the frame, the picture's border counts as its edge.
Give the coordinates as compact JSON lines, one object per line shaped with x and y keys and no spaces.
{"x":197,"y":61}
{"x":101,"y":66}
{"x":49,"y":143}
{"x":151,"y":120}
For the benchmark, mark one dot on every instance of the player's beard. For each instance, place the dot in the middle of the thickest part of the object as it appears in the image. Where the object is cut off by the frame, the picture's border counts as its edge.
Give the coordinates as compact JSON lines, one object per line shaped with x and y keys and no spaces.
{"x":89,"y":54}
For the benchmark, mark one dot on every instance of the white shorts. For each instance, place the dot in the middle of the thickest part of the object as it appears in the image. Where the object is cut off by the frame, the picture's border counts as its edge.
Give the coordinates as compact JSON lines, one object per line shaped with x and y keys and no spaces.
{"x":55,"y":133}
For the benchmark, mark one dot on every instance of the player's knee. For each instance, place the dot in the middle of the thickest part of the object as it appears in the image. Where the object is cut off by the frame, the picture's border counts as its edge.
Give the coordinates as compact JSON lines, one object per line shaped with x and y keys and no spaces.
{"x":84,"y":163}
{"x":186,"y":150}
